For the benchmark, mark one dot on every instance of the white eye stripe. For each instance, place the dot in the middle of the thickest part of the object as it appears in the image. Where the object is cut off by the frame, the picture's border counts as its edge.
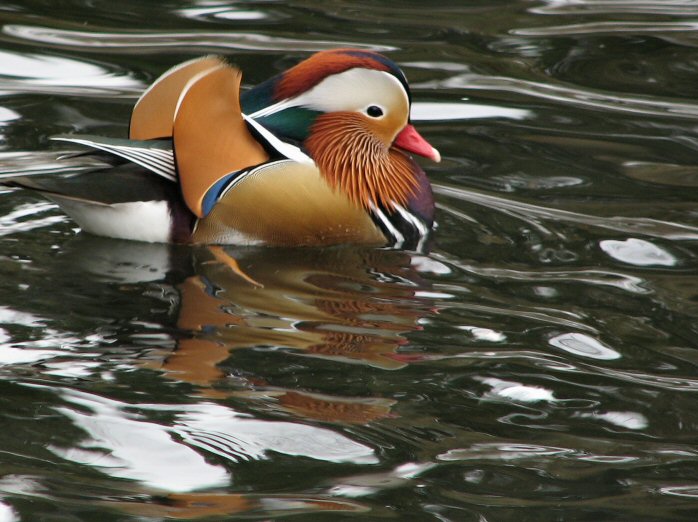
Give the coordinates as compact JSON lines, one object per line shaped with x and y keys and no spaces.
{"x":354,"y":90}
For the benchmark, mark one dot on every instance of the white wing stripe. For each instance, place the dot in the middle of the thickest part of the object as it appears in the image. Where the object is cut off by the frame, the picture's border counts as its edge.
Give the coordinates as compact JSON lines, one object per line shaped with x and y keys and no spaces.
{"x":165,"y":163}
{"x":159,"y":161}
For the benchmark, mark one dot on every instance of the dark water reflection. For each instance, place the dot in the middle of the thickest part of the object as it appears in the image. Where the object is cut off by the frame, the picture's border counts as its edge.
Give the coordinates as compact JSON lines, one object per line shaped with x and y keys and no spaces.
{"x":538,"y":364}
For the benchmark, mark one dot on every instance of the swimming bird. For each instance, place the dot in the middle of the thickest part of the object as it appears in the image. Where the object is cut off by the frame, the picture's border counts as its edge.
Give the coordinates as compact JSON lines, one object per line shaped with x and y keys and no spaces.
{"x":317,"y":155}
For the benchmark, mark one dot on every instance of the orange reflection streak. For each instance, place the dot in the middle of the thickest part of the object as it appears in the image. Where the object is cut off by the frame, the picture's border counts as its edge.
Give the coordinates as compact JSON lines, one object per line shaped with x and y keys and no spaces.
{"x":333,"y":409}
{"x":327,"y":304}
{"x":192,"y":506}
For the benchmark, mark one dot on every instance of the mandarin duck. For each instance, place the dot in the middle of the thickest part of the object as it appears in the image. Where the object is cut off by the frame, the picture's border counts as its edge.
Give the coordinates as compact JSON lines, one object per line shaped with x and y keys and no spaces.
{"x":317,"y":155}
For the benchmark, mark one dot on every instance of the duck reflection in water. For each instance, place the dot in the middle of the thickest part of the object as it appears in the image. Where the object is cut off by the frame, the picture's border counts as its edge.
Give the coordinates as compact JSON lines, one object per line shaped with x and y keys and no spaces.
{"x":348,"y":305}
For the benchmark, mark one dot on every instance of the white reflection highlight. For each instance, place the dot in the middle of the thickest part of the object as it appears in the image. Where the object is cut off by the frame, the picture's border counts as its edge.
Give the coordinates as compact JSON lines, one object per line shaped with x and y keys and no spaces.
{"x":48,"y":343}
{"x":484,"y":334}
{"x":629,"y":420}
{"x":26,"y":352}
{"x":54,"y":70}
{"x":72,"y":369}
{"x":546,"y":291}
{"x":10,"y":316}
{"x":680,"y":491}
{"x":637,"y":252}
{"x":434,"y":111}
{"x":584,"y":346}
{"x":222,"y":12}
{"x":433,"y":295}
{"x":236,"y":437}
{"x":516,"y":391}
{"x":7,"y":514}
{"x":8,"y":115}
{"x":10,"y":355}
{"x":15,"y":222}
{"x":424,"y":264}
{"x":124,"y":443}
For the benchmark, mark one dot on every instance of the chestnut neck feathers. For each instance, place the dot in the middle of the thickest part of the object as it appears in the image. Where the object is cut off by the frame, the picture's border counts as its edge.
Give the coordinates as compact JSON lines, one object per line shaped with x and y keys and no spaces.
{"x":357,"y":162}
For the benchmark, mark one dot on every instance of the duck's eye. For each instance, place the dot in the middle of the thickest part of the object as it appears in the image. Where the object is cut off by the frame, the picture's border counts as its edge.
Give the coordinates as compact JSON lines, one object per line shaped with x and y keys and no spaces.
{"x":374,"y":111}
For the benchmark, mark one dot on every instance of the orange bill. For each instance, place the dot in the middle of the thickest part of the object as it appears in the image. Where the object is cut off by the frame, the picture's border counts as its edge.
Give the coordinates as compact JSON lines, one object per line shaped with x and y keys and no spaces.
{"x":410,"y":140}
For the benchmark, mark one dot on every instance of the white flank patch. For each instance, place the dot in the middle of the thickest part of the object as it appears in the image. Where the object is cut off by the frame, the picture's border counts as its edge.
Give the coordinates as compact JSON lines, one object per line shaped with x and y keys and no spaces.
{"x":138,"y":221}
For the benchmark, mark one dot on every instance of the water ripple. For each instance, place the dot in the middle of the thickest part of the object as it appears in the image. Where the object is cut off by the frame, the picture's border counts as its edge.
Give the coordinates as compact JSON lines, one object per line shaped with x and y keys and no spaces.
{"x":608,"y":28}
{"x":556,"y":363}
{"x":39,"y":73}
{"x":15,"y":221}
{"x":224,"y":12}
{"x":538,"y":314}
{"x":555,"y":457}
{"x":141,"y":42}
{"x":584,"y":346}
{"x":123,"y":443}
{"x":565,"y":94}
{"x":223,"y":432}
{"x":684,"y":384}
{"x":372,"y":483}
{"x":616,"y":7}
{"x":662,"y":173}
{"x":155,"y":460}
{"x":530,"y":212}
{"x":45,"y":162}
{"x":629,"y":420}
{"x":685,"y":491}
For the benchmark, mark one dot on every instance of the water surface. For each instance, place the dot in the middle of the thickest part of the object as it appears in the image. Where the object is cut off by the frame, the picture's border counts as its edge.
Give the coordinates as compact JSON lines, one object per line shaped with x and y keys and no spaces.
{"x":539,"y":363}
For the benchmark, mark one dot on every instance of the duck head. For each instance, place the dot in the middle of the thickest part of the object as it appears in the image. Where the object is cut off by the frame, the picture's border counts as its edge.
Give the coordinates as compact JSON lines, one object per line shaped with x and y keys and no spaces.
{"x":350,"y":110}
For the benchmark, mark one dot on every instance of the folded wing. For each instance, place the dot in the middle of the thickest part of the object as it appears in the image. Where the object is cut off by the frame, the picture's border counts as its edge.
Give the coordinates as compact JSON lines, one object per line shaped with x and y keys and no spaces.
{"x":154,"y":111}
{"x":211,"y":138}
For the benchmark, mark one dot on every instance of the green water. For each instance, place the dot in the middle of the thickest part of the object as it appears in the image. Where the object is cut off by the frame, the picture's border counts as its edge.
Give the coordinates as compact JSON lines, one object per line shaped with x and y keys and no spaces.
{"x":540,"y":363}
